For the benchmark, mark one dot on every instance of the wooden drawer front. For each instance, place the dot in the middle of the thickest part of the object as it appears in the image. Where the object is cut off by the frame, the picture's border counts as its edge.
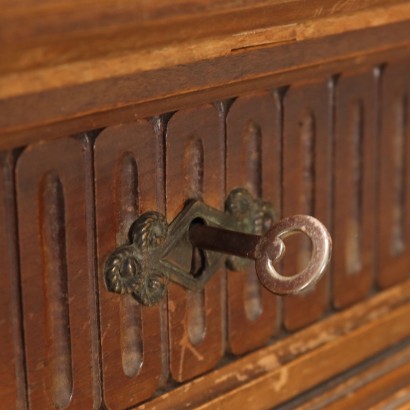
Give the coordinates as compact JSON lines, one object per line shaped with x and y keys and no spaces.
{"x":333,"y":146}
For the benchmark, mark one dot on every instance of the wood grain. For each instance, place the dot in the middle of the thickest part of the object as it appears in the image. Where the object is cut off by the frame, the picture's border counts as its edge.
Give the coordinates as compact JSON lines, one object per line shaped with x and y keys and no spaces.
{"x":307,"y":187}
{"x":13,"y":389}
{"x":113,"y":64}
{"x":195,"y":170}
{"x":121,"y":98}
{"x":374,"y":392}
{"x":301,"y":361}
{"x":354,"y":187}
{"x":57,"y":274}
{"x":399,"y":400}
{"x":252,"y":162}
{"x":370,"y":385}
{"x":41,"y":35}
{"x":128,"y":181}
{"x":394,"y":176}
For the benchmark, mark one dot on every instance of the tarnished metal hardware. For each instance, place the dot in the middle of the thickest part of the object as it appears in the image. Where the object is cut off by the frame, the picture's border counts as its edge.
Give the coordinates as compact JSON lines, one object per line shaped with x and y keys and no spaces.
{"x":196,"y":244}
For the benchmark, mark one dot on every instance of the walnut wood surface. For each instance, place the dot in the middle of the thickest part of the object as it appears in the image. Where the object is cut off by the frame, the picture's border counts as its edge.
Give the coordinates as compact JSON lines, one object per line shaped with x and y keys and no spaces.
{"x":57,"y":275}
{"x":310,"y":147}
{"x":399,"y":400}
{"x":121,"y":98}
{"x":42,"y":34}
{"x":370,"y":387}
{"x":307,"y":139}
{"x":394,"y":176}
{"x":274,"y":374}
{"x":128,"y":182}
{"x":12,"y":392}
{"x":373,"y":393}
{"x":195,"y":169}
{"x":356,"y":129}
{"x":291,"y":146}
{"x":301,"y":109}
{"x":252,"y":162}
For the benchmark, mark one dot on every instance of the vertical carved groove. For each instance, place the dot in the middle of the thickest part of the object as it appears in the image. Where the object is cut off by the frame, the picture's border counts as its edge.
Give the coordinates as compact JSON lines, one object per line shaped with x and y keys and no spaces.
{"x":253,"y":296}
{"x":194,"y":169}
{"x":88,"y":140}
{"x":353,"y":237}
{"x":126,"y":196}
{"x":52,"y":219}
{"x":131,"y":341}
{"x":307,"y":138}
{"x":130,"y":311}
{"x":9,"y":230}
{"x":399,"y":165}
{"x":254,"y":158}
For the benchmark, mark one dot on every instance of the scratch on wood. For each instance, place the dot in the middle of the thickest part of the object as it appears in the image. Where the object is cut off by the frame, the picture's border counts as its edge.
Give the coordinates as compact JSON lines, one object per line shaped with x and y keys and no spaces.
{"x":264,"y":364}
{"x":223,"y":378}
{"x":340,"y":5}
{"x":318,"y":12}
{"x":263,"y":37}
{"x":106,"y":331}
{"x":375,"y":314}
{"x":171,"y":306}
{"x":282,"y":379}
{"x":186,"y":344}
{"x":303,"y":346}
{"x":268,"y":363}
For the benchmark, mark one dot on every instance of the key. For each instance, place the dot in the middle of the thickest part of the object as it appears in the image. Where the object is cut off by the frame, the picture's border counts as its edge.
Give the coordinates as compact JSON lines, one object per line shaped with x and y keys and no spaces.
{"x":269,"y":249}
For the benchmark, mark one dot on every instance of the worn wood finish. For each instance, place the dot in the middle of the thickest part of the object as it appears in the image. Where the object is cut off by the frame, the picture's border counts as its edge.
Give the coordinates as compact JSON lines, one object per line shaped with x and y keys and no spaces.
{"x":307,"y":183}
{"x":58,"y":283}
{"x":110,"y":101}
{"x":399,"y":400}
{"x":393,"y":218}
{"x":252,"y":162}
{"x":31,"y":31}
{"x":128,"y":182}
{"x":12,"y":392}
{"x":354,"y":187}
{"x":374,"y":392}
{"x":300,"y":361}
{"x":195,"y":170}
{"x":135,"y":348}
{"x":88,"y":348}
{"x":381,"y":377}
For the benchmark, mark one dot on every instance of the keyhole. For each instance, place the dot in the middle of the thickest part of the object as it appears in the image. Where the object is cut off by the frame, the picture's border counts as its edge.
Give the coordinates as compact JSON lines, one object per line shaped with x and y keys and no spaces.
{"x":198,"y":255}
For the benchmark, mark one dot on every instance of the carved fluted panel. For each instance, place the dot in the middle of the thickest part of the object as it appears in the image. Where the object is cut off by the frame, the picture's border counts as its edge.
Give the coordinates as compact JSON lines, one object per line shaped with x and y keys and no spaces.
{"x":56,"y":239}
{"x":195,"y":170}
{"x":354,"y":164}
{"x":307,"y":187}
{"x":393,"y":217}
{"x":129,"y":182}
{"x":252,"y":162}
